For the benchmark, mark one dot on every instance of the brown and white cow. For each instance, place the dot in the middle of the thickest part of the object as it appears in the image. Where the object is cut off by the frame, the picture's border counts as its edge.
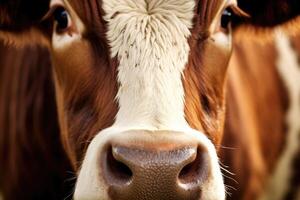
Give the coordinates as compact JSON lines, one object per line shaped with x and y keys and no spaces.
{"x":261,"y":126}
{"x":140,"y":94}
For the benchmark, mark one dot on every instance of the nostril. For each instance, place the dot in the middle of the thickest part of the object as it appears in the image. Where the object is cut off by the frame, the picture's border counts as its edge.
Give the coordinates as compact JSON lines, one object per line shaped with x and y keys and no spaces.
{"x":116,"y":172}
{"x":196,"y":172}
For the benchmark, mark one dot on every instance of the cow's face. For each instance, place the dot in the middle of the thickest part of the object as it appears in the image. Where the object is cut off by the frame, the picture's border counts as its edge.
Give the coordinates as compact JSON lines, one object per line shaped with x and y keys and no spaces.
{"x":140,"y":83}
{"x":139,"y":88}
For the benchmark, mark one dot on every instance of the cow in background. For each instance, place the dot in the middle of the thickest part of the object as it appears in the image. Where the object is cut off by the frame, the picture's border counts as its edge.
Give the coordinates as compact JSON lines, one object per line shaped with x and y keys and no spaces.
{"x":261,"y":145}
{"x":86,"y":89}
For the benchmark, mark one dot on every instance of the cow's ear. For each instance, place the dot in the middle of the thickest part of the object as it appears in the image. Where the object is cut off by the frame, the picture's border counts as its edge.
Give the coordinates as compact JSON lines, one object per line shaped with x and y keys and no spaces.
{"x":270,"y":13}
{"x":20,"y":21}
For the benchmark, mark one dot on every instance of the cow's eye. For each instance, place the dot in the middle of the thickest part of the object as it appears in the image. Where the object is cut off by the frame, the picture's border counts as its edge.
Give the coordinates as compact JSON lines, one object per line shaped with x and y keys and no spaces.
{"x":230,"y":16}
{"x":226,"y":18}
{"x":61,"y":18}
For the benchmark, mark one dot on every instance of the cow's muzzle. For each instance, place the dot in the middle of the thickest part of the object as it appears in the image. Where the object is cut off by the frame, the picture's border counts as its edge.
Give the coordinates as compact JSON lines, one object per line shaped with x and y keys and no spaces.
{"x":154,"y":171}
{"x":147,"y":165}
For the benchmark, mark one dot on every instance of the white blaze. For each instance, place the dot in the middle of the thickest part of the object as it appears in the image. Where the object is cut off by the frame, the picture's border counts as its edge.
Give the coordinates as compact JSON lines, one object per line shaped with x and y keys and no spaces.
{"x":150,"y":40}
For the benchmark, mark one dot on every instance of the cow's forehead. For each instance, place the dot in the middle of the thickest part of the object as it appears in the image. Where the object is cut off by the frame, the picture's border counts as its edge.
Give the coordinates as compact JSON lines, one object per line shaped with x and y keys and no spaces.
{"x":92,"y":10}
{"x":150,"y":39}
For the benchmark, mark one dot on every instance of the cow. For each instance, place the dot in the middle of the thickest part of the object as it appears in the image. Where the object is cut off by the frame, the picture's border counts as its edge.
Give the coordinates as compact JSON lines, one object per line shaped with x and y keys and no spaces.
{"x":136,"y":106}
{"x":262,"y":101}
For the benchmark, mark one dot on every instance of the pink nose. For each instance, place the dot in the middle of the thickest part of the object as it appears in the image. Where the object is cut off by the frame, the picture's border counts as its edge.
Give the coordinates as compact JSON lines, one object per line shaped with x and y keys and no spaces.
{"x":141,"y":172}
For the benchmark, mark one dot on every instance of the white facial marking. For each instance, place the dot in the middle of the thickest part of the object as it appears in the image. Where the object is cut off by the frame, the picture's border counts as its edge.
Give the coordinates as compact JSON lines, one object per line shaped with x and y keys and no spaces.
{"x":149,"y":38}
{"x":289,"y":69}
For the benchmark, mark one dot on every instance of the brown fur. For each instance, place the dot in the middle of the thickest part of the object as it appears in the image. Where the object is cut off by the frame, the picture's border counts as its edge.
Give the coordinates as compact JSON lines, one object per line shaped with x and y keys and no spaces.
{"x":87,"y":99}
{"x":204,"y":76}
{"x":33,"y":163}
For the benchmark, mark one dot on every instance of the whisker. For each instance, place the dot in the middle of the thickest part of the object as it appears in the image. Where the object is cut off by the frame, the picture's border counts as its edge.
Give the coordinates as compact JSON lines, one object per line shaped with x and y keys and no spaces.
{"x":73,"y":185}
{"x":225,"y":166}
{"x":86,"y":142}
{"x":235,"y":181}
{"x":229,"y":148}
{"x":70,"y":179}
{"x":227,"y":192}
{"x":226,"y":147}
{"x":71,"y":172}
{"x":230,"y":187}
{"x":69,"y":195}
{"x":227,"y":171}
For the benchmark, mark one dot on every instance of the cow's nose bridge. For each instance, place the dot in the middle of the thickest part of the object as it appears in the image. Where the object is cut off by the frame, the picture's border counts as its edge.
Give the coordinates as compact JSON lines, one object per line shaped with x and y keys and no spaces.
{"x":154,"y":165}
